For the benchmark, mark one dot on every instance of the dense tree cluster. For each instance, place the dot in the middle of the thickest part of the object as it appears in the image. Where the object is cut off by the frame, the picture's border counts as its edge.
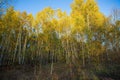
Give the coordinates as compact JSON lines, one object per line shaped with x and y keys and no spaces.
{"x":84,"y":38}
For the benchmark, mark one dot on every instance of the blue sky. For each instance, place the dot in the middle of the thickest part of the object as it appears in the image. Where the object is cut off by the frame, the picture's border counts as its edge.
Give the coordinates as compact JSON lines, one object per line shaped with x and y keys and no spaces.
{"x":34,"y":6}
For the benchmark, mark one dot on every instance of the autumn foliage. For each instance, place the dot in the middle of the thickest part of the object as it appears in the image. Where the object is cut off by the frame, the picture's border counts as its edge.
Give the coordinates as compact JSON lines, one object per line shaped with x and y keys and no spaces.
{"x":85,"y":38}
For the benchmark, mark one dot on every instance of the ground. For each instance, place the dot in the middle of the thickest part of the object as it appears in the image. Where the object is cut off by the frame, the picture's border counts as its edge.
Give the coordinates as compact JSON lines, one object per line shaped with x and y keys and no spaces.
{"x":60,"y":72}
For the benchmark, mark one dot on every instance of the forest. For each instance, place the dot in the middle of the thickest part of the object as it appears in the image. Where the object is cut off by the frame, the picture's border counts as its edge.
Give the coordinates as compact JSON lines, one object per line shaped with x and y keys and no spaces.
{"x":54,"y":45}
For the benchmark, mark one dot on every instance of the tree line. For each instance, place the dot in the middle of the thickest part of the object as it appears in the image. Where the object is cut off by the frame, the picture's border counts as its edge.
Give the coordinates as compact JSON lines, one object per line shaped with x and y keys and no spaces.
{"x":86,"y":37}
